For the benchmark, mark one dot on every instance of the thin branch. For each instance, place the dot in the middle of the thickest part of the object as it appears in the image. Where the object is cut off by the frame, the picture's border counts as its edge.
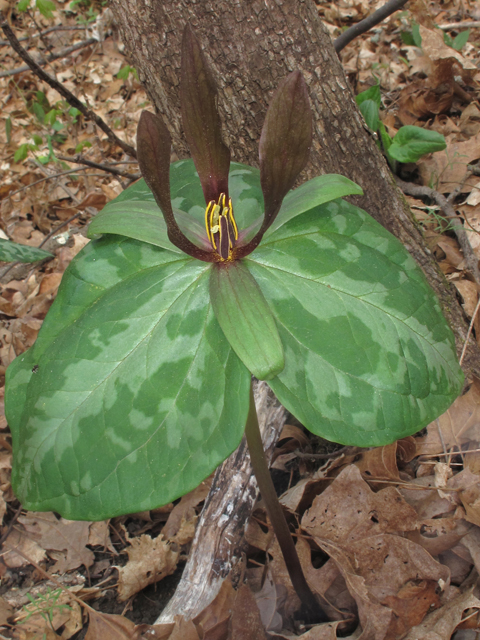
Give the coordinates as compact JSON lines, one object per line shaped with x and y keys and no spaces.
{"x":471,"y":259}
{"x":474,"y":315}
{"x":61,"y":53}
{"x":60,"y":27}
{"x":459,"y":25}
{"x":365,"y":25}
{"x":51,"y":177}
{"x":10,"y":525}
{"x":60,"y":226}
{"x":63,"y":91}
{"x":104,"y":167}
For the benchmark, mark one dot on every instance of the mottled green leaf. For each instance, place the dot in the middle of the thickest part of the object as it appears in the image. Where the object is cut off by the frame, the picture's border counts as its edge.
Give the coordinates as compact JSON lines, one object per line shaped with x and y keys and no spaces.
{"x":369,"y":357}
{"x":131,"y":394}
{"x":313,"y":193}
{"x":139,"y":220}
{"x":411,"y":143}
{"x":13,"y":252}
{"x":135,"y":214}
{"x":246,"y":319}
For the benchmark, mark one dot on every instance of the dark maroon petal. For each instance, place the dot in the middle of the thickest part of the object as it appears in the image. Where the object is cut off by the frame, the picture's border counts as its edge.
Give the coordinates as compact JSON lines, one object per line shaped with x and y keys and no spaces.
{"x":284,"y":148}
{"x":201,"y":121}
{"x":153,"y":154}
{"x":285,"y":141}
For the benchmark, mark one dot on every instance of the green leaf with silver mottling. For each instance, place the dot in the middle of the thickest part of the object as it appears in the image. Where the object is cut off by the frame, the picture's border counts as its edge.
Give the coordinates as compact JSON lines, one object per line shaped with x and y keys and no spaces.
{"x":14,"y":252}
{"x":121,"y":404}
{"x":138,"y":220}
{"x":246,"y":320}
{"x":312,"y":194}
{"x":135,"y":214}
{"x":369,"y":357}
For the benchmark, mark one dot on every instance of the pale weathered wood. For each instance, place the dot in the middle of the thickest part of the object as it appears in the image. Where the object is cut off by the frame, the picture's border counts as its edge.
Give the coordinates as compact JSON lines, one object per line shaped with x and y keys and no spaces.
{"x":218,"y":542}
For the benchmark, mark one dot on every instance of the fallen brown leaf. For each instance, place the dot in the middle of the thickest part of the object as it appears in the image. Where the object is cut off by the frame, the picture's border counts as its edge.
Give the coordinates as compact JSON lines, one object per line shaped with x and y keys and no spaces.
{"x":328,"y":583}
{"x":212,"y":623}
{"x":326,"y":631}
{"x":269,"y":600}
{"x":6,"y":612}
{"x":468,"y":486}
{"x":458,"y":425}
{"x":99,"y":535}
{"x":411,"y":604}
{"x":28,"y":549}
{"x":379,"y":462}
{"x":180,"y":526}
{"x":440,"y":624}
{"x":246,"y":622}
{"x":105,"y":626}
{"x":64,"y":540}
{"x":446,"y":169}
{"x":348,"y":510}
{"x":150,"y":560}
{"x":153,"y":632}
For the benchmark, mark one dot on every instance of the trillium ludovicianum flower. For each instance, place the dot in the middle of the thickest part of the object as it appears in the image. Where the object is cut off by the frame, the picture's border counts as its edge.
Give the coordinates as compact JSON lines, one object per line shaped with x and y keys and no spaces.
{"x":200,"y":275}
{"x":284,"y":148}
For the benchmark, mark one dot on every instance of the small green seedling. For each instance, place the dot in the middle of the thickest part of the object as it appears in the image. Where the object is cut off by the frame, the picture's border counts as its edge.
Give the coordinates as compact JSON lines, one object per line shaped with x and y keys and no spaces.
{"x":44,"y":605}
{"x":125,"y":72}
{"x":409,"y":144}
{"x":414,"y":38}
{"x":46,"y":7}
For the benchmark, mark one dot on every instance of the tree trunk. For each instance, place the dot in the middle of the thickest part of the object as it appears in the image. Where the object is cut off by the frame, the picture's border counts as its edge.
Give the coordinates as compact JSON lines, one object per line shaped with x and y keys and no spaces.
{"x":251,"y":45}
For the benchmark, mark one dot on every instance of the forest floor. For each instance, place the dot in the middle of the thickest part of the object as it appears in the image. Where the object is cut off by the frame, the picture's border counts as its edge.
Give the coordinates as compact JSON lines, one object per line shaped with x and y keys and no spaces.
{"x":402,"y":521}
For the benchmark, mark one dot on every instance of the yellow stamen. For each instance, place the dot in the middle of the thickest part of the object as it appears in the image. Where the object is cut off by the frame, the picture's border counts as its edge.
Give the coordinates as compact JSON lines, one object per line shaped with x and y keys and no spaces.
{"x":215,"y":213}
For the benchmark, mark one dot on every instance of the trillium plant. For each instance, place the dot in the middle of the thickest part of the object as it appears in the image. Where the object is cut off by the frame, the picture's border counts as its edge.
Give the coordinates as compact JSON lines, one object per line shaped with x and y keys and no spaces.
{"x":200,"y":275}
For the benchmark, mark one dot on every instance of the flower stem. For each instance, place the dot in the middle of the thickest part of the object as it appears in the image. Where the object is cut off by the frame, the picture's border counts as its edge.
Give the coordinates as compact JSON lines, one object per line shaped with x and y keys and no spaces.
{"x":277,"y":518}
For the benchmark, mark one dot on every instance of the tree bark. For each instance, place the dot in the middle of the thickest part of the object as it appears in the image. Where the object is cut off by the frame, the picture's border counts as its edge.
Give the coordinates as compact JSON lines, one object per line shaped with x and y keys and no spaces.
{"x":251,"y":45}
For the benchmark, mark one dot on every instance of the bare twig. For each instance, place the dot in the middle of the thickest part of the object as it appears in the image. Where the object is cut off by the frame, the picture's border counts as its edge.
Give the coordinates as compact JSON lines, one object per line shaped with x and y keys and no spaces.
{"x":63,"y":91}
{"x":61,"y":53}
{"x":459,"y":188}
{"x":59,"y":27}
{"x":474,"y":315}
{"x":322,"y":456}
{"x":60,"y":226}
{"x":104,"y":167}
{"x":471,"y":259}
{"x":365,"y":25}
{"x":50,"y":177}
{"x":469,"y":24}
{"x":10,"y":525}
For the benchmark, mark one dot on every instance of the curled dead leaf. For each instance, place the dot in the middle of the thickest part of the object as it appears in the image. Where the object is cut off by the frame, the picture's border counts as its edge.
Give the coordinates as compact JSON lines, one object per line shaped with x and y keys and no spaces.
{"x":150,"y":560}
